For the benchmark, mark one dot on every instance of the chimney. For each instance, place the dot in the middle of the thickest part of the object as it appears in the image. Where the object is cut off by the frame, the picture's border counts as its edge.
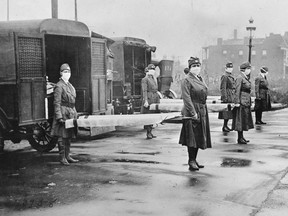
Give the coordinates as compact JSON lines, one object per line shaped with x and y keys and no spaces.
{"x":219,"y":41}
{"x":235,"y":34}
{"x":54,"y":5}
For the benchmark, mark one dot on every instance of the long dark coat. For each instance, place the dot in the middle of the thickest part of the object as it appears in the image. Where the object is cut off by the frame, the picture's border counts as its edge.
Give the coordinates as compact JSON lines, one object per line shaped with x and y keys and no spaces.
{"x":64,"y":107}
{"x":149,"y":92}
{"x":195,"y":133}
{"x":227,"y":89}
{"x":262,"y":100}
{"x":242,"y":116}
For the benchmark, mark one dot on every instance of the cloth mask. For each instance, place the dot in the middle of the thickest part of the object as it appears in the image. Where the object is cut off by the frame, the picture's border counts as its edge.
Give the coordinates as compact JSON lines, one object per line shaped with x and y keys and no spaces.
{"x":151,"y":72}
{"x":66,"y":76}
{"x":195,"y":70}
{"x":247,"y":72}
{"x":229,"y":70}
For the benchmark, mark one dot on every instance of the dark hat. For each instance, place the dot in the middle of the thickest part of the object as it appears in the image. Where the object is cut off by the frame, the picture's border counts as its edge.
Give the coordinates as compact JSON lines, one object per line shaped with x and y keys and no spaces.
{"x":245,"y":65}
{"x":193,"y":61}
{"x":229,"y":65}
{"x":151,"y":67}
{"x":64,"y":66}
{"x":263,"y":69}
{"x":186,"y":70}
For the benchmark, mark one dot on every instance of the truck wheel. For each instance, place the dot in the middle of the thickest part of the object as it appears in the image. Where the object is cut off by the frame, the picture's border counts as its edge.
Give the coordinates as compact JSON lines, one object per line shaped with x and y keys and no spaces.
{"x":40,"y":137}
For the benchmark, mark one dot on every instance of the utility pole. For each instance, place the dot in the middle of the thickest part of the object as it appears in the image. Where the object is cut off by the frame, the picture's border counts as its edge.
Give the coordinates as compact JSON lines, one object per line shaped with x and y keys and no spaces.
{"x":7,"y":10}
{"x":76,"y":15}
{"x":250,"y":28}
{"x":54,"y":7}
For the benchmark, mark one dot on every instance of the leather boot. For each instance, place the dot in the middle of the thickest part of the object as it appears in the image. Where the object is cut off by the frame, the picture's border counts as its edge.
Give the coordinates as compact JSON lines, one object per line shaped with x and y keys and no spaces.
{"x":67,"y":152}
{"x":193,"y":166}
{"x":62,"y":151}
{"x":149,"y":134}
{"x":199,"y":165}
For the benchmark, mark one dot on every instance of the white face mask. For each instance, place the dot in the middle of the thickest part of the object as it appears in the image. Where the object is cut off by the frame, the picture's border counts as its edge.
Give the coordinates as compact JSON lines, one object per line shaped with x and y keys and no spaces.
{"x":151,"y":72}
{"x":195,"y":70}
{"x":66,"y":76}
{"x":229,"y":70}
{"x":247,"y":72}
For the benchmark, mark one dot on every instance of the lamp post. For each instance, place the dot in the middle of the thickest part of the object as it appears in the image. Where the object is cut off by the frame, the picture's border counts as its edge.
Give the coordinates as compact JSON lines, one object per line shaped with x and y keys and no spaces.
{"x":250,"y":28}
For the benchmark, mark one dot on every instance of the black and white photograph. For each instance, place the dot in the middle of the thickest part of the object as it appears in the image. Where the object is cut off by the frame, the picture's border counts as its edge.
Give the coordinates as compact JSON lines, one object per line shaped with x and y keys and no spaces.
{"x":143,"y":107}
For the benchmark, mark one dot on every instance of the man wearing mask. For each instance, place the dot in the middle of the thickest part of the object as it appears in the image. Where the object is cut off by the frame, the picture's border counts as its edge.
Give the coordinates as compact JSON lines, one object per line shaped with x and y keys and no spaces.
{"x":149,"y":95}
{"x":262,"y":100}
{"x":227,"y":89}
{"x":195,"y":132}
{"x":64,"y":108}
{"x":242,"y":117}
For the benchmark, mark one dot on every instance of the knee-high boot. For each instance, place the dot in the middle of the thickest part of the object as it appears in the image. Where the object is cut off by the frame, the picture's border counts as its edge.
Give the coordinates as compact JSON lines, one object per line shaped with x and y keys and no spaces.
{"x":149,"y":132}
{"x":67,"y":152}
{"x":62,"y":151}
{"x":192,"y":153}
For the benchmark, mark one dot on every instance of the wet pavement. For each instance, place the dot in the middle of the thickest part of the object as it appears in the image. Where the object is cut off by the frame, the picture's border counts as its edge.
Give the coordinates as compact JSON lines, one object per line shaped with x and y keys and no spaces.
{"x":122,"y":173}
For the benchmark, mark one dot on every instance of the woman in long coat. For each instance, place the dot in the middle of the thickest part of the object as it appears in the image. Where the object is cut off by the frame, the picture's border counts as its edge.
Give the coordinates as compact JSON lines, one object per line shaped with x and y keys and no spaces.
{"x":242,"y":117}
{"x":227,"y":89}
{"x":149,"y":95}
{"x":64,"y":108}
{"x":262,"y":100}
{"x":195,"y":132}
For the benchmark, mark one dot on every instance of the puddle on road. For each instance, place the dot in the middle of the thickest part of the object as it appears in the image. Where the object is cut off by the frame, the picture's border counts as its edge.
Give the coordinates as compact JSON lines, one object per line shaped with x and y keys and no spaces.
{"x":235,"y":162}
{"x":135,"y":161}
{"x":238,"y":150}
{"x":139,"y":153}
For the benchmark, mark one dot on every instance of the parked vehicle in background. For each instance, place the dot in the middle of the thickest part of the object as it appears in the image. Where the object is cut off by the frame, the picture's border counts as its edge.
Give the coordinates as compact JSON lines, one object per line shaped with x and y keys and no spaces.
{"x":32,"y":52}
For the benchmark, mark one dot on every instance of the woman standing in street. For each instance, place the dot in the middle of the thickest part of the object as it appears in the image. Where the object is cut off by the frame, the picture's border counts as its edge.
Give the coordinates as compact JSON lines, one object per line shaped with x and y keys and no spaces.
{"x":149,"y":95}
{"x":227,"y":89}
{"x":195,"y":131}
{"x":242,"y":117}
{"x":64,"y":108}
{"x":262,"y":100}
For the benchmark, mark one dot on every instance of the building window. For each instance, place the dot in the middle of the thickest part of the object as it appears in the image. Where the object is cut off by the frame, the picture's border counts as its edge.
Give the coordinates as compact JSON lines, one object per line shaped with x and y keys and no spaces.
{"x":264,"y":52}
{"x":240,"y":52}
{"x":224,"y":52}
{"x":253,"y":52}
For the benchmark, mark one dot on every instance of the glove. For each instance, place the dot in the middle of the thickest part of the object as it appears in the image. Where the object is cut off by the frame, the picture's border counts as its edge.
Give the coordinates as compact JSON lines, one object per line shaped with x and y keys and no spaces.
{"x":61,"y":121}
{"x":146,"y":104}
{"x":237,"y":105}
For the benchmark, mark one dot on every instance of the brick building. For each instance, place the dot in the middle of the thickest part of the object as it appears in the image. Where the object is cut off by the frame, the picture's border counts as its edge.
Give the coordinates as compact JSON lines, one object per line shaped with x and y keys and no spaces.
{"x":271,"y":51}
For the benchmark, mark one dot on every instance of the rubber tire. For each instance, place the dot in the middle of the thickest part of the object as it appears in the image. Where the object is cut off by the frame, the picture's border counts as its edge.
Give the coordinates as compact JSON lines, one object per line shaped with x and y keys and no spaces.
{"x":44,"y":143}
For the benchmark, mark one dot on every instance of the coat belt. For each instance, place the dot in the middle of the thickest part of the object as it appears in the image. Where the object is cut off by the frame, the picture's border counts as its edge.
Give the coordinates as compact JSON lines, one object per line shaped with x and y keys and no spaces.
{"x":71,"y":105}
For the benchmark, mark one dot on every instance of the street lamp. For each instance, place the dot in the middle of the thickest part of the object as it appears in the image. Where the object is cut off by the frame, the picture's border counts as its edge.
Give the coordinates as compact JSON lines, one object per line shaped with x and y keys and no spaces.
{"x":250,"y":28}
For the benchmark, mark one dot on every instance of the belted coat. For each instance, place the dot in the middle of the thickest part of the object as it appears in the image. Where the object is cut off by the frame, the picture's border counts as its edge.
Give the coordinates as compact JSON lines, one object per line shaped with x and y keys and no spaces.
{"x":195,"y":133}
{"x":242,"y":116}
{"x":262,"y":100}
{"x":149,"y":92}
{"x":227,"y":89}
{"x":64,"y":107}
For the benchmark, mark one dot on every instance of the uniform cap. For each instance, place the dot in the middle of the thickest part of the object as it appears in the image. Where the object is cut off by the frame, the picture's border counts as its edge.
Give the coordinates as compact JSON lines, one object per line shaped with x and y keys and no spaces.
{"x":263,"y":69}
{"x":193,"y":61}
{"x":64,"y":66}
{"x":229,"y":65}
{"x":245,"y":65}
{"x":151,"y":67}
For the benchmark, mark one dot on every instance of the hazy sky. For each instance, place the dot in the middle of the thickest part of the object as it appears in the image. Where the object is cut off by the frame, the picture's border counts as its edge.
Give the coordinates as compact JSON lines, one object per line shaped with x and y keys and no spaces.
{"x":176,"y":27}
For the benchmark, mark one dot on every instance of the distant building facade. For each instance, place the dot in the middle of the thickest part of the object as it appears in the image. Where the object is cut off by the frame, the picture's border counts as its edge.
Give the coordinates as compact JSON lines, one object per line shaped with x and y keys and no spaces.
{"x":271,"y":51}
